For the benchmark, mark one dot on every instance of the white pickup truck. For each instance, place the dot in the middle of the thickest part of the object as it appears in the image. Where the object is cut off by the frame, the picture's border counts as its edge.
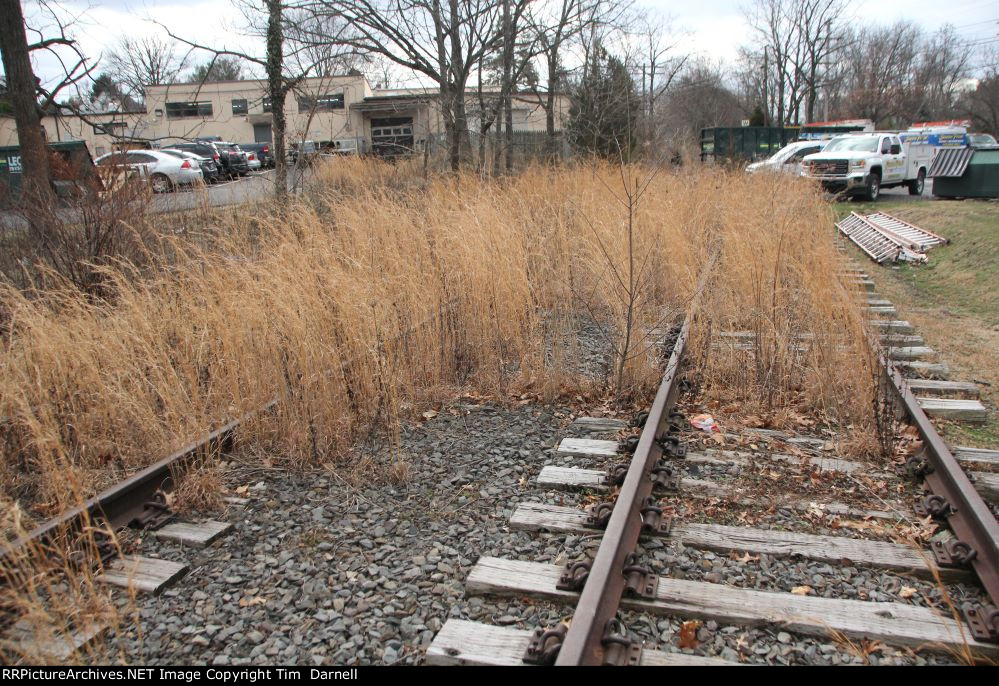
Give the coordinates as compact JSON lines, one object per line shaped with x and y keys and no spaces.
{"x":864,"y":163}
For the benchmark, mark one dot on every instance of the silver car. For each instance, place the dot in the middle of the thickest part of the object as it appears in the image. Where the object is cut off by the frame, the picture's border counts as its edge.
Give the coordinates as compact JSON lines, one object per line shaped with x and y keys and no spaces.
{"x":163,"y":171}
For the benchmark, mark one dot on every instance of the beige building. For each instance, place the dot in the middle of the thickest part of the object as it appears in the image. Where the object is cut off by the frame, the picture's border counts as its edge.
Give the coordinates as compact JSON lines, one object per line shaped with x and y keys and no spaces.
{"x":344,"y":109}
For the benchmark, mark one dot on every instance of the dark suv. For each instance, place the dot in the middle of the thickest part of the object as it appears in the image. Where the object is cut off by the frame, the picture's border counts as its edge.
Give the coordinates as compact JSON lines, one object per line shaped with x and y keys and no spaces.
{"x":207,"y":149}
{"x":233,"y":158}
{"x":263,"y":151}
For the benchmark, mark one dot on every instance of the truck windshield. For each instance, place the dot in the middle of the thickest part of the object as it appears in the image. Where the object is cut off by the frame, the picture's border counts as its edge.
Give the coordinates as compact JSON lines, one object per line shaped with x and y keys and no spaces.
{"x":865,"y":144}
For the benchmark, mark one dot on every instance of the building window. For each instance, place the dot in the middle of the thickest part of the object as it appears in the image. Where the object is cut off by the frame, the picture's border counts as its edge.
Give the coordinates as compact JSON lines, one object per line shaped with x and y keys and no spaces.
{"x":267,"y":105}
{"x":180,"y":110}
{"x":239,"y":106}
{"x":323,"y":103}
{"x":113,"y":128}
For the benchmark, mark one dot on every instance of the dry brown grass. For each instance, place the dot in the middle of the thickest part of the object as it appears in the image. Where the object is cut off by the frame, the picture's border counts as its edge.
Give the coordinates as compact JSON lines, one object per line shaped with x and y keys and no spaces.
{"x":807,"y":356}
{"x":354,"y":308}
{"x":381,"y":293}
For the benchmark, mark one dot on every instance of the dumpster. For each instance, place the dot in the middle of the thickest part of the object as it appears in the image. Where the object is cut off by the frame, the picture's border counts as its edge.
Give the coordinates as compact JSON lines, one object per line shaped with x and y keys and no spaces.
{"x":73,"y":171}
{"x":722,"y":143}
{"x":958,"y":174}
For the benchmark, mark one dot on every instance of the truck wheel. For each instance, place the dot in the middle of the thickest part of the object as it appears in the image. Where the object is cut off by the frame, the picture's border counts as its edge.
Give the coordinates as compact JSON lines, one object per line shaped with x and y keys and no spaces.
{"x":916,"y":185}
{"x":873,"y":189}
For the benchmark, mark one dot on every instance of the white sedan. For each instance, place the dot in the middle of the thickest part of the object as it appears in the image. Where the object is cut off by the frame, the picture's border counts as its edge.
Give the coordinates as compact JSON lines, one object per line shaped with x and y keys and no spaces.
{"x":163,"y":171}
{"x":788,"y":159}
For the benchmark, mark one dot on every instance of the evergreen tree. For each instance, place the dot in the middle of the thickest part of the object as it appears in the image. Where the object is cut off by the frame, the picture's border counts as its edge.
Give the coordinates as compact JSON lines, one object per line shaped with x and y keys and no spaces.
{"x":604,"y":110}
{"x":221,"y":68}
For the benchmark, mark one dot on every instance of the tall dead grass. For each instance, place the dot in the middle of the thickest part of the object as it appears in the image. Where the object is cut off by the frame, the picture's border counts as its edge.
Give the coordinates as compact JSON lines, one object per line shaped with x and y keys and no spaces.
{"x":381,"y":292}
{"x":803,"y":349}
{"x":350,"y":308}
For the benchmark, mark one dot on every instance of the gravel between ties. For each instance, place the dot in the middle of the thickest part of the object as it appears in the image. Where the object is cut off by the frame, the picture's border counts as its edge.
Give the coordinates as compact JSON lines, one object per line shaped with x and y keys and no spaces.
{"x":319,"y":572}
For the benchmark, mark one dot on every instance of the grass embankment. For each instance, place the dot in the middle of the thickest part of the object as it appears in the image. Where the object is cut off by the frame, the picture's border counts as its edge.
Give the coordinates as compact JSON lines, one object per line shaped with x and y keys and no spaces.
{"x":953,"y":300}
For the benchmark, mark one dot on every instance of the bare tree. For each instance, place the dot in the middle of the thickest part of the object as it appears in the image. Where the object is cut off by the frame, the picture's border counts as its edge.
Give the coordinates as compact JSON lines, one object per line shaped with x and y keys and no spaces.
{"x":942,"y":63}
{"x":555,"y":26}
{"x":267,"y":19}
{"x":818,"y":26}
{"x":880,"y":63}
{"x":982,"y":104}
{"x":700,"y":99}
{"x":657,"y":64}
{"x":443,"y":40}
{"x":779,"y":47}
{"x":139,"y":62}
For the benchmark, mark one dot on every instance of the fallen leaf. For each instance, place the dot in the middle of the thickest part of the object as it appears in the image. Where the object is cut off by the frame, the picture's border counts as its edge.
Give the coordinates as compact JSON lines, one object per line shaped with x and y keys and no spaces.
{"x":718,"y":438}
{"x":802,"y":590}
{"x":907,"y":592}
{"x":250,"y":602}
{"x":429,"y":414}
{"x":688,"y":634}
{"x":242,"y":489}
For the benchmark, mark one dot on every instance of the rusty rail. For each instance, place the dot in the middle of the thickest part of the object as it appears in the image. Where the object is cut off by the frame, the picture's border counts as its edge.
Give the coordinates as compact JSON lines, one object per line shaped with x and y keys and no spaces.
{"x":594,"y":629}
{"x":134,"y":500}
{"x":953,"y":497}
{"x":601,"y":596}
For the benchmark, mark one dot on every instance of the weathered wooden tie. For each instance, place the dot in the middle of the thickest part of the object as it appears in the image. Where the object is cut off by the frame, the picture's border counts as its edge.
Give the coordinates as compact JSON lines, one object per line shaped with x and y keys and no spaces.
{"x":719,"y":538}
{"x":933,"y":370}
{"x":987,"y":484}
{"x":587,"y":447}
{"x":461,"y":642}
{"x":977,"y":456}
{"x":569,"y":478}
{"x":145,"y":574}
{"x":892,"y":623}
{"x":937,"y":387}
{"x":915,"y":352}
{"x":60,"y":646}
{"x":889,"y":325}
{"x":197,"y":535}
{"x":599,"y":425}
{"x":952,"y":408}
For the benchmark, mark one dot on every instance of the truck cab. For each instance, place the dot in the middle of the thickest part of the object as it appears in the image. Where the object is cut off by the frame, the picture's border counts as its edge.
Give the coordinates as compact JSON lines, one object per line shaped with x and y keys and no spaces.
{"x":863,"y":164}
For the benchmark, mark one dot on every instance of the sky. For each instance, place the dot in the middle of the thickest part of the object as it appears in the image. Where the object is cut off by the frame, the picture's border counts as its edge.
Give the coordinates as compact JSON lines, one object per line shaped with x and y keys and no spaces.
{"x":712,"y":29}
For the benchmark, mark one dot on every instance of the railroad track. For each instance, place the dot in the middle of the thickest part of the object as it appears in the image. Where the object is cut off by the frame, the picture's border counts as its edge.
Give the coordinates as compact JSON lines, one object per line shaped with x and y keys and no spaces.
{"x":625,"y":579}
{"x":618,"y":579}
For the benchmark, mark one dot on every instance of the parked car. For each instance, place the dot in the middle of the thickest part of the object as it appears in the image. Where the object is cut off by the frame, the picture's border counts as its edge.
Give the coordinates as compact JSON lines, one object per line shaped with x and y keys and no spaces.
{"x":262,"y":151}
{"x":982,"y":140}
{"x":206,"y":149}
{"x":209,"y":169}
{"x":163,"y":170}
{"x":307,"y":149}
{"x":787,"y":159}
{"x":253,"y":161}
{"x":233,"y":157}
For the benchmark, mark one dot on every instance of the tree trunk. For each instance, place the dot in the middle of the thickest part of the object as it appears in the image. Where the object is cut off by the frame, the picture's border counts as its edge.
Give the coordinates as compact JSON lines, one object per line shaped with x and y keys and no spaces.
{"x":277,"y":90}
{"x":456,"y":85}
{"x":550,"y":103}
{"x":508,"y":84}
{"x":36,"y":175}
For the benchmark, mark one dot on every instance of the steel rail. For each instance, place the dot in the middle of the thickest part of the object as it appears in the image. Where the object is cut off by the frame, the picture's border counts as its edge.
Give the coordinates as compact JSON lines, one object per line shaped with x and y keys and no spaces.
{"x":605,"y":584}
{"x":121,"y":504}
{"x":969,"y":517}
{"x":601,"y":596}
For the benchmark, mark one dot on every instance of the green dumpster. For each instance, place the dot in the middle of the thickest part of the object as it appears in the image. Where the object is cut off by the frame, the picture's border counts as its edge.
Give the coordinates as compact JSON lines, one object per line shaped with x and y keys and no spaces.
{"x":73,"y":171}
{"x":979,"y":180}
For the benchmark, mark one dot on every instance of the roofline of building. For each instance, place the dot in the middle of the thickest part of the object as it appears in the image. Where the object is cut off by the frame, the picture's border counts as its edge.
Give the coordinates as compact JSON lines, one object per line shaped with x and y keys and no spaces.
{"x":258,"y":81}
